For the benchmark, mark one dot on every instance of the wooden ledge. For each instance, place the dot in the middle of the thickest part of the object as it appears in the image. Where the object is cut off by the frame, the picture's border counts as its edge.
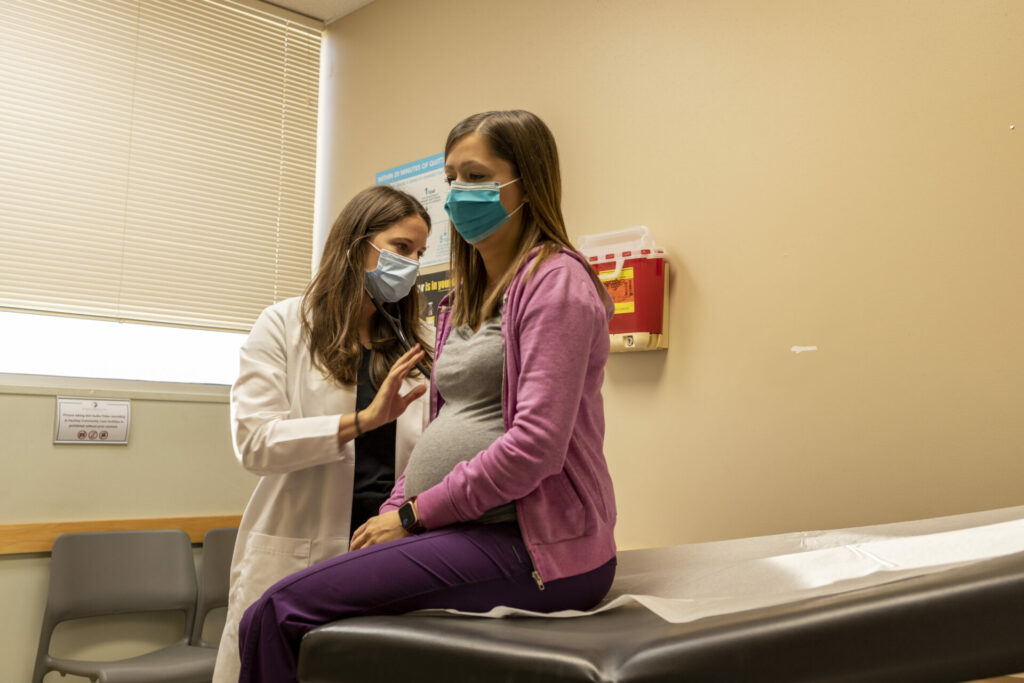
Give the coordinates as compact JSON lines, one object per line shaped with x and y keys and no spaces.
{"x":39,"y":537}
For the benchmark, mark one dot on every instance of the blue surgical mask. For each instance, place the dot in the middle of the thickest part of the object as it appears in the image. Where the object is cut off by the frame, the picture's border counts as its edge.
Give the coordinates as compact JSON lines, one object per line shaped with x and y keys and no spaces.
{"x":393,"y":278}
{"x":476,"y":210}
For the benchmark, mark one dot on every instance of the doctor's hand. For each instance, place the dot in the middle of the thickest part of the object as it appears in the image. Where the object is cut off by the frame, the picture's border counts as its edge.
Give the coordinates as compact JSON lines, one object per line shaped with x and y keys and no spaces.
{"x":389,"y":402}
{"x":386,"y":527}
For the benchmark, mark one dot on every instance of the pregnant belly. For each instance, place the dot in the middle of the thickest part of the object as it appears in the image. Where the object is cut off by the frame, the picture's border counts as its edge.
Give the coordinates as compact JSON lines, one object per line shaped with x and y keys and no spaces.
{"x":447,"y":441}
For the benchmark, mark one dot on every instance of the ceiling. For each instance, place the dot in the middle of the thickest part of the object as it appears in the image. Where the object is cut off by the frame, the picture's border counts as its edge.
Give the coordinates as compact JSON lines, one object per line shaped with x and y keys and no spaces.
{"x":324,"y":10}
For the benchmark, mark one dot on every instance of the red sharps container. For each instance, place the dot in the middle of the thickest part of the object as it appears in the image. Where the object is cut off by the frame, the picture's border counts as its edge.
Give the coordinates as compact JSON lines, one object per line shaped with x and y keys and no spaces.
{"x":635,"y":273}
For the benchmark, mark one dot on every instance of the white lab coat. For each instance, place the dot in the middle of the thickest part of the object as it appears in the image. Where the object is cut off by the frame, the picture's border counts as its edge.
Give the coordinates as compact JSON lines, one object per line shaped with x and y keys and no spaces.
{"x":284,"y":420}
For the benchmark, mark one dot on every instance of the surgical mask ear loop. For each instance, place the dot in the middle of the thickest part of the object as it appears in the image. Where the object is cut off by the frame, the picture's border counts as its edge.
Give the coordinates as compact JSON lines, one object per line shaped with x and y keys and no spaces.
{"x":348,"y":252}
{"x":522,"y":203}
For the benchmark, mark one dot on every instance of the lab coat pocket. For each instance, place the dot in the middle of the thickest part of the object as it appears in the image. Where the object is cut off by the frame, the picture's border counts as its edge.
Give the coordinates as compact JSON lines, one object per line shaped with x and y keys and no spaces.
{"x":266,"y":560}
{"x":331,"y":547}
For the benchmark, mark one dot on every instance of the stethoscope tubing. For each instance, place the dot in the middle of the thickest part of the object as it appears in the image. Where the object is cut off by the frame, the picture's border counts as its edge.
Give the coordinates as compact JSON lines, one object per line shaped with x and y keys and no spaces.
{"x":393,"y":322}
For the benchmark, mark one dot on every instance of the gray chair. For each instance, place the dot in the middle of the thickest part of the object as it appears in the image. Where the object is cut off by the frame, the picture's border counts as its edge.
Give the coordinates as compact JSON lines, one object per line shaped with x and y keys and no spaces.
{"x":122,"y":572}
{"x":218,"y":547}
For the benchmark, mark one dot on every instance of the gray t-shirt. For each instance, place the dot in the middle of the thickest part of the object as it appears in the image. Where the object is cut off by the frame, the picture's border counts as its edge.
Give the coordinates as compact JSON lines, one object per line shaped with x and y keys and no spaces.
{"x":468,"y":374}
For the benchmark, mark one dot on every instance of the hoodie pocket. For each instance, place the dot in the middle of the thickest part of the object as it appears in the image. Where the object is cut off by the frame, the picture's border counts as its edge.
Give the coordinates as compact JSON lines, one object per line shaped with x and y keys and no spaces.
{"x":560,"y":514}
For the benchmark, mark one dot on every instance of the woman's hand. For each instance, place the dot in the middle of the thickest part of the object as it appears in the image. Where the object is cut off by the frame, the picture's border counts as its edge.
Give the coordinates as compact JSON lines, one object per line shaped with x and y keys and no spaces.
{"x":389,"y":403}
{"x":386,"y":527}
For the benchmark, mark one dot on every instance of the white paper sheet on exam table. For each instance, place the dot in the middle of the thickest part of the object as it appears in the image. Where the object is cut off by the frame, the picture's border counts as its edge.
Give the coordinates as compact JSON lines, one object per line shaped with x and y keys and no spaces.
{"x":688,"y":582}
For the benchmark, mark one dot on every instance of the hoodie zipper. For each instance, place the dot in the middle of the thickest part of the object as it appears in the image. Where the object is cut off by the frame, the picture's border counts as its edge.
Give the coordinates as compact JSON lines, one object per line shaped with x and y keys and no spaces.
{"x":535,"y":574}
{"x":504,"y":378}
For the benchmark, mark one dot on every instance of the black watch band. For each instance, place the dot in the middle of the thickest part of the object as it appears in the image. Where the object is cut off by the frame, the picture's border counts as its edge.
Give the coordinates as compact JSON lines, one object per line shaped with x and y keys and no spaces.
{"x":407,"y":516}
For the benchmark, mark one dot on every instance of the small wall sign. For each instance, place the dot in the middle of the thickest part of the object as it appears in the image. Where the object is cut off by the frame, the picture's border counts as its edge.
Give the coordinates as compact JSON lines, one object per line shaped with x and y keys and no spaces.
{"x":92,"y":420}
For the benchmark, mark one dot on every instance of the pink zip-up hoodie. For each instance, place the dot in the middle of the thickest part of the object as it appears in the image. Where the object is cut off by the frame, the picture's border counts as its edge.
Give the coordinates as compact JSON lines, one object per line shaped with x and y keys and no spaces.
{"x":550,"y":460}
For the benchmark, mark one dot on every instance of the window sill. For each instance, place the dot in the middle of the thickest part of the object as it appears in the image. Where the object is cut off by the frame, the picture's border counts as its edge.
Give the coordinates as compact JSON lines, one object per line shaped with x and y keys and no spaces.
{"x":47,"y":385}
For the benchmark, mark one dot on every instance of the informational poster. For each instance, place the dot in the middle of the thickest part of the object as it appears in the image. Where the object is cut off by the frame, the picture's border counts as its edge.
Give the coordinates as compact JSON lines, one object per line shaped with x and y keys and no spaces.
{"x":92,"y":420}
{"x":434,"y":286}
{"x":424,"y":180}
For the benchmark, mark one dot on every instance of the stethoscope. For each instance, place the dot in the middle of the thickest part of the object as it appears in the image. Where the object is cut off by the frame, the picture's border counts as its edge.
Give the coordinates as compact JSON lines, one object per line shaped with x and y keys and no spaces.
{"x":393,"y":322}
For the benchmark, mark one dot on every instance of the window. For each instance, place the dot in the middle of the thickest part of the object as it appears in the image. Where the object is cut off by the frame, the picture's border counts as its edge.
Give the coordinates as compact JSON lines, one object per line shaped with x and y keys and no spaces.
{"x":102,"y":349}
{"x":156,"y":162}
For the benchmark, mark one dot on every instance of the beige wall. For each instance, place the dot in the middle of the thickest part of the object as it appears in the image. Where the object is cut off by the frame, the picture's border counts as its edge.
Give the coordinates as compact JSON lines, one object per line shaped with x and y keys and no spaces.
{"x":178,"y":463}
{"x":838,"y":174}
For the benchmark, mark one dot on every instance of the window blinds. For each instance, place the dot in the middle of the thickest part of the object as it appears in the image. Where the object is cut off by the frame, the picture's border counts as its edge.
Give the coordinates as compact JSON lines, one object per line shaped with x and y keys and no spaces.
{"x":156,"y":159}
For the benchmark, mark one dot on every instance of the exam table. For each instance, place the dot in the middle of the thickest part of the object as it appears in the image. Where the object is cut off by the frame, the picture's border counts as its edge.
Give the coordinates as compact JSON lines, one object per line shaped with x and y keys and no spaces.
{"x":933,"y":600}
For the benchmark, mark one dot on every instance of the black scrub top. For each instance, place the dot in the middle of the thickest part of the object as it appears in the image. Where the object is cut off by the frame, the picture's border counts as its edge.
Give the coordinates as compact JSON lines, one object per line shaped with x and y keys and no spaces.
{"x":375,"y":455}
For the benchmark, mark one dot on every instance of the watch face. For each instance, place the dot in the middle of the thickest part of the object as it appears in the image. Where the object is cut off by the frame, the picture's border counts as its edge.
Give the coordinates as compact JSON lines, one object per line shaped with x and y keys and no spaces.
{"x":405,"y":515}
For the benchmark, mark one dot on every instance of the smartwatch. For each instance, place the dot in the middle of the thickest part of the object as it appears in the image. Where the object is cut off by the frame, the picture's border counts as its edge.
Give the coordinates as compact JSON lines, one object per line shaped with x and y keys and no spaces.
{"x":407,"y":516}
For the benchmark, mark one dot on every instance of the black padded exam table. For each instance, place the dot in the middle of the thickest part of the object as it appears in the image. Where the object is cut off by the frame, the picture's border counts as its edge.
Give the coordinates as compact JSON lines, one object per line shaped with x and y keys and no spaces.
{"x":959,"y":624}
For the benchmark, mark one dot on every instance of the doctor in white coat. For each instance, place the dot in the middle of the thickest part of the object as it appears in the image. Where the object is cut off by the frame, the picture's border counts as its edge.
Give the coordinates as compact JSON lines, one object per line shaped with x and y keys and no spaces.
{"x":328,"y":403}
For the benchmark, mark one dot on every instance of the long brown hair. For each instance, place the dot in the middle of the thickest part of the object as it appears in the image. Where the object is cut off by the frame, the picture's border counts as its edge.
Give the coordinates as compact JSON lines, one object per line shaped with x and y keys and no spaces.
{"x":334,"y":298}
{"x":524,"y":141}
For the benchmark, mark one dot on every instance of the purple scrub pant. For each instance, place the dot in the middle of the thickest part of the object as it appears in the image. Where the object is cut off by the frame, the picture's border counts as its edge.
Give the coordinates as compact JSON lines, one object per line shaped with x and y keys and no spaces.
{"x":471,"y":567}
